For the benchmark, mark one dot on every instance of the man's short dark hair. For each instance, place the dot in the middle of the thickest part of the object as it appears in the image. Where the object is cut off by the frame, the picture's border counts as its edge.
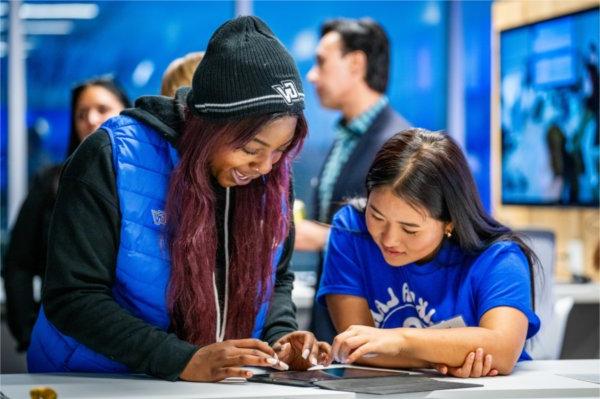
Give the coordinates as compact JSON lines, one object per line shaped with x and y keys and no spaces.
{"x":367,"y":36}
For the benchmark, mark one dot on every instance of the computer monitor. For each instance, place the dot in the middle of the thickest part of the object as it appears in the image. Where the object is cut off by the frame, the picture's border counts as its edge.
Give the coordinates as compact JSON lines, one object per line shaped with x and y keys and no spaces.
{"x":549,"y":112}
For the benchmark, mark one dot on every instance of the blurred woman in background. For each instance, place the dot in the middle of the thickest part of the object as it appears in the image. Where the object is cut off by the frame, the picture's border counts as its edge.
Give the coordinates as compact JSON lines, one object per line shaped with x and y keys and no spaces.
{"x":92,"y":103}
{"x":179,"y":73}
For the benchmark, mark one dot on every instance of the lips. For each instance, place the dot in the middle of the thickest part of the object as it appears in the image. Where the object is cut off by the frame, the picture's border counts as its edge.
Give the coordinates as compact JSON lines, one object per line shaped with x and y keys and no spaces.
{"x":392,"y":252}
{"x":241,"y":178}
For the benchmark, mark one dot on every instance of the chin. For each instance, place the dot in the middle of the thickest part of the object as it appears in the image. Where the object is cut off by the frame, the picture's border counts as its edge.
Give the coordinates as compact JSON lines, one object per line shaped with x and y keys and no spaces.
{"x":396,"y":263}
{"x":398,"y":260}
{"x":326,"y":103}
{"x":225,"y":183}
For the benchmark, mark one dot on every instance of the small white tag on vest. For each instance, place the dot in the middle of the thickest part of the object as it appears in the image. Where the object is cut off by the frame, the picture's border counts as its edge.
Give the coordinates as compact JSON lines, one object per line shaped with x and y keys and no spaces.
{"x":159,"y":217}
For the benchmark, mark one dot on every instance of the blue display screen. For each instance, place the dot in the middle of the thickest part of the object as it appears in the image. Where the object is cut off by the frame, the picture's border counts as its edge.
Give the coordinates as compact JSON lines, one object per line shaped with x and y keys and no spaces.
{"x":549,"y":112}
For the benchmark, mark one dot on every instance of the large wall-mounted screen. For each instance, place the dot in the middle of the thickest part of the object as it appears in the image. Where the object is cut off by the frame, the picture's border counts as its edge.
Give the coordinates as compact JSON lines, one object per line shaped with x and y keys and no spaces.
{"x":549,"y":112}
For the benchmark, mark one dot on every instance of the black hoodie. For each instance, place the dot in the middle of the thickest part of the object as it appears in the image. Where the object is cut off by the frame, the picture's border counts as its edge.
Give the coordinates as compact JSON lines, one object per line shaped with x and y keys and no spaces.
{"x":83,"y":245}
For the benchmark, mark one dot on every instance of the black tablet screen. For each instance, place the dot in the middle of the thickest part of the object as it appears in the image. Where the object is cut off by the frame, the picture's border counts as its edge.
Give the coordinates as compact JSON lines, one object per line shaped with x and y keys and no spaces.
{"x":326,"y":374}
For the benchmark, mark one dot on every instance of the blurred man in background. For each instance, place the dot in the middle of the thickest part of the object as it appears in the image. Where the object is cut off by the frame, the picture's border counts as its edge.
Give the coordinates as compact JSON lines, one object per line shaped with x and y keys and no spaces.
{"x":350,"y":75}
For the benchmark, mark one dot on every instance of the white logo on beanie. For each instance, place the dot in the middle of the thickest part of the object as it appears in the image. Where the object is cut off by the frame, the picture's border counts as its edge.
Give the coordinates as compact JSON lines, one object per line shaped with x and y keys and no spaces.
{"x":287,"y":90}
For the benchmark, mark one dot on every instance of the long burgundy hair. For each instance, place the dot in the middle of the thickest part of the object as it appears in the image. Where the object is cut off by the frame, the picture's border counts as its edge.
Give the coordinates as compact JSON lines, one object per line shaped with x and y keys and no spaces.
{"x":261,"y":219}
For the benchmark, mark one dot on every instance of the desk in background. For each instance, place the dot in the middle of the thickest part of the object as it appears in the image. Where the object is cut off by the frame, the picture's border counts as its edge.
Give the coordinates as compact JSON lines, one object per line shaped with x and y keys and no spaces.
{"x":581,"y":293}
{"x":534,"y":379}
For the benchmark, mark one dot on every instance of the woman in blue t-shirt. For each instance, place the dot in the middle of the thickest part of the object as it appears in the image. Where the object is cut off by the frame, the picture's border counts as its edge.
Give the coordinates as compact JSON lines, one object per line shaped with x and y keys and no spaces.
{"x":422,"y":252}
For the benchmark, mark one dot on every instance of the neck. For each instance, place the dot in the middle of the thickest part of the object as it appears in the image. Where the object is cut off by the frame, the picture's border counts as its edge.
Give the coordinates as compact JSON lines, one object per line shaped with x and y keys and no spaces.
{"x":359,"y":102}
{"x":432,"y":255}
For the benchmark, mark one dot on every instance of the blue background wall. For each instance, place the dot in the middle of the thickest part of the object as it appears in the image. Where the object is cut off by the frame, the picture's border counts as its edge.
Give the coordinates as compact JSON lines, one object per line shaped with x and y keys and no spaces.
{"x":476,"y":34}
{"x":135,"y":41}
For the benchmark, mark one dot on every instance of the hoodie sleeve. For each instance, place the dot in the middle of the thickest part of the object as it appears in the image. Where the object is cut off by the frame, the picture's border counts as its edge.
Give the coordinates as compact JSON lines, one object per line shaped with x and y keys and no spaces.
{"x":83,"y":245}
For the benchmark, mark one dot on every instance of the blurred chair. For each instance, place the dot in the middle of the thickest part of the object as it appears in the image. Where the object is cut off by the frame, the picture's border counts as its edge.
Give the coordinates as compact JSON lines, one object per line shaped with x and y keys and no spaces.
{"x":11,"y":361}
{"x":548,"y":342}
{"x":562,"y":309}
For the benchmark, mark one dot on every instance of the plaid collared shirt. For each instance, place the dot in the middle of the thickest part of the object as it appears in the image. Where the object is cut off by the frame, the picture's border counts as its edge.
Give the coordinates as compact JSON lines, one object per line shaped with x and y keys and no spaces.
{"x":346,"y":138}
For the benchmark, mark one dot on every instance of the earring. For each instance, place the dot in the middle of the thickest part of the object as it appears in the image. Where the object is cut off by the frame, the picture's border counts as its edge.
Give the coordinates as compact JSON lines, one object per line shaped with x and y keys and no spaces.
{"x":448,"y":234}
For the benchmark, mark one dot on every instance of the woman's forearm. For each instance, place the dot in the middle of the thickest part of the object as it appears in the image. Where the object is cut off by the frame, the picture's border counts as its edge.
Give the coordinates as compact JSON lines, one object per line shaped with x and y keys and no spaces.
{"x":501,"y":333}
{"x":418,"y":348}
{"x":451,"y":346}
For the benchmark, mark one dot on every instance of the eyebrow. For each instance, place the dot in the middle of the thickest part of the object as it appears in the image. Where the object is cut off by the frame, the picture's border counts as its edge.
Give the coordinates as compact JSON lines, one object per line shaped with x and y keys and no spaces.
{"x":265,"y":144}
{"x":402,"y":223}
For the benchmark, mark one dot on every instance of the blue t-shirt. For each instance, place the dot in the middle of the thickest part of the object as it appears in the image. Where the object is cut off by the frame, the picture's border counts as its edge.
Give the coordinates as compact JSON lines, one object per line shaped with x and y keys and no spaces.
{"x":451,"y":285}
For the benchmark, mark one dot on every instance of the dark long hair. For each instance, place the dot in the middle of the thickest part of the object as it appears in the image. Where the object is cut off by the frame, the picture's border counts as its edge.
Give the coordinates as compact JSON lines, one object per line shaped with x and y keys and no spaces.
{"x":106,"y":82}
{"x":262,"y":220}
{"x":429,"y":170}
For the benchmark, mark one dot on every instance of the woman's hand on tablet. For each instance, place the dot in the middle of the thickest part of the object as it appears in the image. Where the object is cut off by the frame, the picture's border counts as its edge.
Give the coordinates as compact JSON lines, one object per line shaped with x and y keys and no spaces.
{"x":225,"y":359}
{"x":358,"y":341}
{"x":301,"y":350}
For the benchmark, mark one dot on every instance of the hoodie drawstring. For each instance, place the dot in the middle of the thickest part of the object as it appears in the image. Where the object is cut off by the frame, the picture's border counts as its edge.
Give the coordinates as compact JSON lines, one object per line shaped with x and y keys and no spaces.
{"x":222,"y":321}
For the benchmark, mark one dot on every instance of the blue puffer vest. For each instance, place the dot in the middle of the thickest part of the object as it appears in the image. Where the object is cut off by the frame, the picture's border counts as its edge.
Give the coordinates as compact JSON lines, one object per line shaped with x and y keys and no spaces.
{"x":143,"y":162}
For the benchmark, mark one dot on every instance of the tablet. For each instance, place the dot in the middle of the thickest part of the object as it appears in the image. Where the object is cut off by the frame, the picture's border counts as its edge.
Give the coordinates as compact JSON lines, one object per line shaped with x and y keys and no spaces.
{"x":307,"y":378}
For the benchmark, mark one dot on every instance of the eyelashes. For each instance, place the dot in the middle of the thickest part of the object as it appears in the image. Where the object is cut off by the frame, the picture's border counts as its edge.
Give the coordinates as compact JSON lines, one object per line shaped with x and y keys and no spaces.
{"x":377,"y":218}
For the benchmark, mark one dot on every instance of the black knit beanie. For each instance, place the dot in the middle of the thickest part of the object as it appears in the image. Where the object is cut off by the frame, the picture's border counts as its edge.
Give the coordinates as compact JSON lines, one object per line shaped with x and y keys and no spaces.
{"x":245,"y":71}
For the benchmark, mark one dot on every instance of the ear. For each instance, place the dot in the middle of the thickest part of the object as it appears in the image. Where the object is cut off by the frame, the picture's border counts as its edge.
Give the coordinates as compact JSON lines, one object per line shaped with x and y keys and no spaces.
{"x":358,"y":63}
{"x":449,"y":228}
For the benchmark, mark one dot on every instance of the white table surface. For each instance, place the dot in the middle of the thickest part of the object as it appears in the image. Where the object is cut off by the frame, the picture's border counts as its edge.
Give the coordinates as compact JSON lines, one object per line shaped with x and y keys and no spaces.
{"x":537,"y":379}
{"x":103,"y":386}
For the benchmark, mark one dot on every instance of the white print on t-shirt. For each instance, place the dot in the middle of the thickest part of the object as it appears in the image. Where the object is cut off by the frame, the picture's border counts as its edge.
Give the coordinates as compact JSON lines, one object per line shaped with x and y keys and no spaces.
{"x":394,"y":306}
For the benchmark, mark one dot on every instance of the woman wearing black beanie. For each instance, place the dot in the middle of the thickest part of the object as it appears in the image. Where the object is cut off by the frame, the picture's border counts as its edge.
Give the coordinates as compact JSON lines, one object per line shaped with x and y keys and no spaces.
{"x":172,"y":254}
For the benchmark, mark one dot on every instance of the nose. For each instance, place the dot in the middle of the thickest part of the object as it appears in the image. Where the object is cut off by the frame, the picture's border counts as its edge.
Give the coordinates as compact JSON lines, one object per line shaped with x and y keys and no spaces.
{"x":312,"y":75}
{"x":390,"y":237}
{"x":94,"y":120}
{"x":265,"y":164}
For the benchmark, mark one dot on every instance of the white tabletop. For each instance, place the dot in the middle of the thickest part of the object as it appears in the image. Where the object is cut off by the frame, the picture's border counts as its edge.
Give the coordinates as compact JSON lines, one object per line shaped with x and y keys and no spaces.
{"x":103,"y":386}
{"x":537,"y":379}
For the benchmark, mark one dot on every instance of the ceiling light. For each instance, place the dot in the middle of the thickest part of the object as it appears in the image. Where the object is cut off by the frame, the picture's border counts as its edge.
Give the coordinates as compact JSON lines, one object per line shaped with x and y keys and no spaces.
{"x":58,"y":11}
